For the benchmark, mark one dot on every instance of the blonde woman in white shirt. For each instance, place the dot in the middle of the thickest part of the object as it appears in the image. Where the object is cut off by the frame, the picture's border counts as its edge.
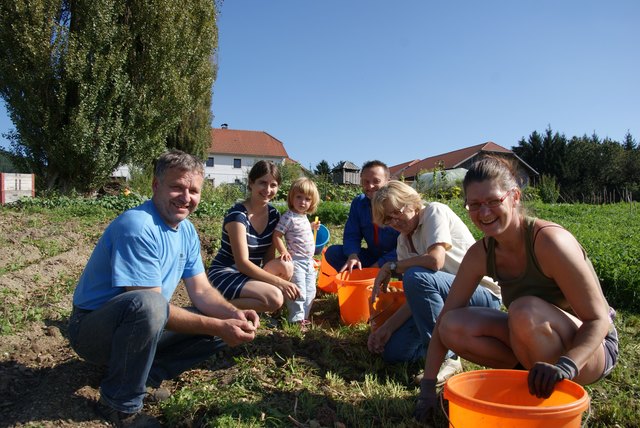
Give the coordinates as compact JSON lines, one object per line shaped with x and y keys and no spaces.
{"x":432,"y":242}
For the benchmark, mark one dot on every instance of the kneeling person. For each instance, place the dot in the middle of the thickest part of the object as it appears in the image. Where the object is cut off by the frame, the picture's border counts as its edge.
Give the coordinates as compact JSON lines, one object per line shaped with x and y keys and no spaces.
{"x":122,"y":318}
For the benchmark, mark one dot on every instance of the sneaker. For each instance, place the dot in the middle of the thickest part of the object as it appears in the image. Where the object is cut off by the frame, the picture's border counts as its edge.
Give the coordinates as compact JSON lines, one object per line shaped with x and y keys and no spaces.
{"x":122,"y":419}
{"x":450,"y":367}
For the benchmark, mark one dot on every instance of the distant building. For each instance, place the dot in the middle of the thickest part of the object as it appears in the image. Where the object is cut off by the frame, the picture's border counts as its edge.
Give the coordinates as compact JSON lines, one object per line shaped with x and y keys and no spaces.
{"x":233,"y":152}
{"x":462,"y":158}
{"x":345,"y":173}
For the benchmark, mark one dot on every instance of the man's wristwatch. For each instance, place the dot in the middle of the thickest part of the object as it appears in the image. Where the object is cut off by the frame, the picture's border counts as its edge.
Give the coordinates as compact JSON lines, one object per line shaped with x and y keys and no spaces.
{"x":392,"y":267}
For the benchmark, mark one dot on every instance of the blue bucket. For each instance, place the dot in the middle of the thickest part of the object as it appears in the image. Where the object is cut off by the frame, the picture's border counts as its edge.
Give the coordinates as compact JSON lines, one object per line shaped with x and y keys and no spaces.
{"x":322,"y":238}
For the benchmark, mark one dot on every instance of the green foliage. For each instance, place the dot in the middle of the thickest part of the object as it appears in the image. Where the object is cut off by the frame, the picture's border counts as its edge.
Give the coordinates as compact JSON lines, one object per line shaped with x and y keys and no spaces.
{"x":6,"y":165}
{"x":322,"y":169}
{"x":140,"y":180}
{"x":587,"y":169}
{"x":326,"y":376}
{"x":611,"y":236}
{"x":290,"y":172}
{"x":333,"y":212}
{"x":193,"y":133}
{"x":439,"y":184}
{"x":79,"y":205}
{"x":94,"y":84}
{"x":215,"y":201}
{"x":548,"y":189}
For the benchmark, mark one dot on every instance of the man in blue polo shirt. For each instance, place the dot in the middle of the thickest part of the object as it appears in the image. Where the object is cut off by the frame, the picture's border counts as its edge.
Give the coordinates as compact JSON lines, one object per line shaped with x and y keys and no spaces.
{"x":122,"y":318}
{"x":381,"y":241}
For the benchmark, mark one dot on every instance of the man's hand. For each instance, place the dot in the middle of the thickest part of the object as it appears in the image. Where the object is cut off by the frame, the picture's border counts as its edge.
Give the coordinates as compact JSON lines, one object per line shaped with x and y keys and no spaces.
{"x":249,"y":315}
{"x":235,"y":332}
{"x":427,"y":401}
{"x":352,"y":261}
{"x":544,"y":376}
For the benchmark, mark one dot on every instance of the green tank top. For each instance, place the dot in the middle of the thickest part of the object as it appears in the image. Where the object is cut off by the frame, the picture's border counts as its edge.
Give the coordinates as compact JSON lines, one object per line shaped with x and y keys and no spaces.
{"x":532,"y":282}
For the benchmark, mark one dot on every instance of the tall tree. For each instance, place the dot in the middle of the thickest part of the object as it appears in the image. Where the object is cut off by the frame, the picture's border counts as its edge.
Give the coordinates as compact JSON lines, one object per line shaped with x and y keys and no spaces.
{"x":631,"y":166}
{"x":544,"y":153}
{"x":322,"y":168}
{"x":91,"y":84}
{"x":530,"y":150}
{"x":193,"y":133}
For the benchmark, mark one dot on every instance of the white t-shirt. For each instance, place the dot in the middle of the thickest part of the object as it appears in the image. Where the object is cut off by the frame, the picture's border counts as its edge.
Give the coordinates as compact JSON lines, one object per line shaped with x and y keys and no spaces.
{"x":298,"y":235}
{"x":438,"y":224}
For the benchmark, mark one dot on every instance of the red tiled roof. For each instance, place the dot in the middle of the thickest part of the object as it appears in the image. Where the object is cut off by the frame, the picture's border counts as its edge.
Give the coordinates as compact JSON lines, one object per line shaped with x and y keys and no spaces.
{"x":248,"y":143}
{"x":450,"y":160}
{"x":397,"y":170}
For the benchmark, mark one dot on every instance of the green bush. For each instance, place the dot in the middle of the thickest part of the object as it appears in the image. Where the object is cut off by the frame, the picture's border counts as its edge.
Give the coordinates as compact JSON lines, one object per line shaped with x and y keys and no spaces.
{"x":610,"y":234}
{"x":548,"y":189}
{"x":333,"y":212}
{"x":530,"y":193}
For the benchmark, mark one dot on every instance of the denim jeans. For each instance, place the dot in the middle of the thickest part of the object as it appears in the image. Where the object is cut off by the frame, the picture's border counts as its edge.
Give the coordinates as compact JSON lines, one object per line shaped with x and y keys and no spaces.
{"x":304,"y":277}
{"x":127,"y":336}
{"x":426,"y":291}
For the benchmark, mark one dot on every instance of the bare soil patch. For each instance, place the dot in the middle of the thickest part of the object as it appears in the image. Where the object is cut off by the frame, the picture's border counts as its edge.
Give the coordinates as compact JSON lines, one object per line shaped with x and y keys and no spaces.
{"x":42,"y":381}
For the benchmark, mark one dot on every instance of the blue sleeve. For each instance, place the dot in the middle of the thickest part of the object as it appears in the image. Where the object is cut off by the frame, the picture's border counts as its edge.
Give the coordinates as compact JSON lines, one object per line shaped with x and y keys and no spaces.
{"x":134,"y":260}
{"x":194,"y":265}
{"x":352,"y":237}
{"x":391,"y":256}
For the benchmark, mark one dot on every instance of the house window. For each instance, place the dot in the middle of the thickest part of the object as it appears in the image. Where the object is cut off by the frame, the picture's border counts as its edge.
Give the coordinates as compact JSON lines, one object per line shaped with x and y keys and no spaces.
{"x":210,"y":161}
{"x":237,"y":163}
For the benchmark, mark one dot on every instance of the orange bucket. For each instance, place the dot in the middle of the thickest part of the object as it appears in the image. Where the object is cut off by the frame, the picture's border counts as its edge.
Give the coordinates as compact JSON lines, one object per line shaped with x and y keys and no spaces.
{"x":327,"y":276}
{"x":500,"y":398}
{"x":354,"y":292}
{"x":386,"y":304}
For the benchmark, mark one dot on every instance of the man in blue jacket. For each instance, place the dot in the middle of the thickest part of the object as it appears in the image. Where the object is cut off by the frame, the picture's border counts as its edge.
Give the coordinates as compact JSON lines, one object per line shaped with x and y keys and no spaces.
{"x":381,"y":241}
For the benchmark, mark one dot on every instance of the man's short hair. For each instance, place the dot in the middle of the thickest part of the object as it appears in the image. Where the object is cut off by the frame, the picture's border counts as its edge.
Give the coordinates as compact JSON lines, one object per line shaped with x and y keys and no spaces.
{"x":180,"y":160}
{"x":375,"y":163}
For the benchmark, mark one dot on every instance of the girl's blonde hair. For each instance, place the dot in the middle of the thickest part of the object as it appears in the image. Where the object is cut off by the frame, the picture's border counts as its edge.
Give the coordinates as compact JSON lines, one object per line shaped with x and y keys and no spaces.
{"x":398,"y":194}
{"x":308,"y":188}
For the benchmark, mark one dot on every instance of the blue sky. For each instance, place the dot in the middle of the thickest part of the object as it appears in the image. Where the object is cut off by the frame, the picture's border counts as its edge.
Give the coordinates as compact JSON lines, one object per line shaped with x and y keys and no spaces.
{"x":367,"y":79}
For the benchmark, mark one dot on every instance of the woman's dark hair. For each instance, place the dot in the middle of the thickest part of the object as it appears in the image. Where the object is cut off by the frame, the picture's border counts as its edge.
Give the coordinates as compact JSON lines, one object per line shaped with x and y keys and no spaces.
{"x":491,"y":168}
{"x":262,"y":168}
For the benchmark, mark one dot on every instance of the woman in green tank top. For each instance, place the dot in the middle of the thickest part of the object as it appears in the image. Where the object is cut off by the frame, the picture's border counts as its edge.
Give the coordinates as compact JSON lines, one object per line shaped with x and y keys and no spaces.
{"x":558,"y":324}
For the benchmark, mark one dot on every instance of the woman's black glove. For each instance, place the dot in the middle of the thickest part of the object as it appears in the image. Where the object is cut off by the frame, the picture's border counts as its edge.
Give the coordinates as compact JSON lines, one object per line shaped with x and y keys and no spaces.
{"x":427,"y":400}
{"x":544,"y":376}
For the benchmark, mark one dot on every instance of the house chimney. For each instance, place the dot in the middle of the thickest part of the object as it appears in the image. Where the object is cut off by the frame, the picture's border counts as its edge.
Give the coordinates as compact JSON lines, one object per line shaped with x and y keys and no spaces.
{"x":224,"y":126}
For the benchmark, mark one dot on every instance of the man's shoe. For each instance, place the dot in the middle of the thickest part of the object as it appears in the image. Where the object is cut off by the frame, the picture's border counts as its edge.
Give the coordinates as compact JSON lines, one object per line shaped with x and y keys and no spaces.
{"x":122,"y":419}
{"x":450,"y":367}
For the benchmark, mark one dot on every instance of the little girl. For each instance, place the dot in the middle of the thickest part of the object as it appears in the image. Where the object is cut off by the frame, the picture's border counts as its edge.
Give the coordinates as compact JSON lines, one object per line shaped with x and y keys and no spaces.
{"x":297,"y":231}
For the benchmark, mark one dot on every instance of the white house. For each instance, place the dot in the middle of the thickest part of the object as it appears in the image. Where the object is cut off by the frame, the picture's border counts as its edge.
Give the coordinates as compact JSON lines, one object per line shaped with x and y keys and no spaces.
{"x":233,"y":152}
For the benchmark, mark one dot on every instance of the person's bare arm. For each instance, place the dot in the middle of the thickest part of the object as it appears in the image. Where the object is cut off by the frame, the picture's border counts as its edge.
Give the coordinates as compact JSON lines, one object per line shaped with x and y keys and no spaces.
{"x":561,"y":258}
{"x":238,"y":239}
{"x":280,"y":246}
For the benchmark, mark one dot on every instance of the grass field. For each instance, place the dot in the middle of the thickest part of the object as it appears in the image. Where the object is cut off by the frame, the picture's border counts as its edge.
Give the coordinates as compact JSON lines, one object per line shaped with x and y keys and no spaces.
{"x":285,"y":378}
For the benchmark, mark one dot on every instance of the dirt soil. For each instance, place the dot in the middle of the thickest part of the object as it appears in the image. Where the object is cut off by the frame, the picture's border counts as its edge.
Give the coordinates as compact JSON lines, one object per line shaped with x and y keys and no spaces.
{"x":42,"y":381}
